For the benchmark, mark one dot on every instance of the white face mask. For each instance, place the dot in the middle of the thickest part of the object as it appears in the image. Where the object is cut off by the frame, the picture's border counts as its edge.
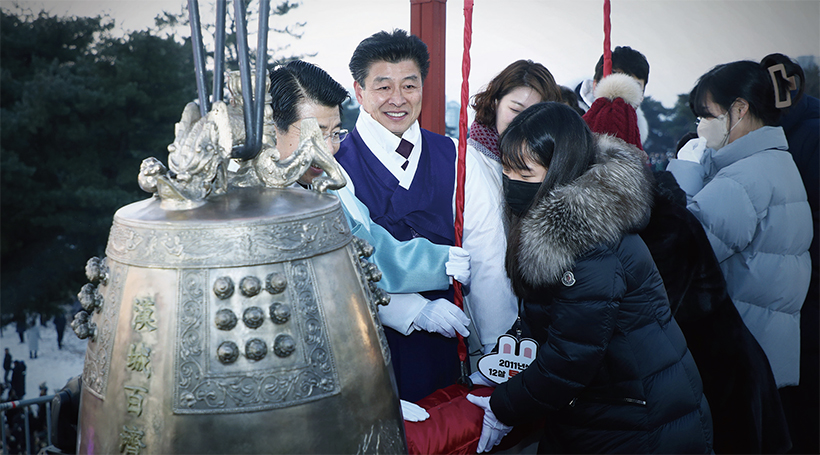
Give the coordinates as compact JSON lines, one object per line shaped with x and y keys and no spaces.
{"x":715,"y":130}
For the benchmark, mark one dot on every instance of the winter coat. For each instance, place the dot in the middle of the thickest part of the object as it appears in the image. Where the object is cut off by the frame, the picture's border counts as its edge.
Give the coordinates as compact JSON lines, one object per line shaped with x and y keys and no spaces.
{"x":7,"y":362}
{"x":802,"y":127}
{"x":18,"y":379}
{"x":613,"y":372}
{"x":34,"y":337}
{"x":21,"y":326}
{"x":59,"y":322}
{"x":746,"y":410}
{"x":752,"y":204}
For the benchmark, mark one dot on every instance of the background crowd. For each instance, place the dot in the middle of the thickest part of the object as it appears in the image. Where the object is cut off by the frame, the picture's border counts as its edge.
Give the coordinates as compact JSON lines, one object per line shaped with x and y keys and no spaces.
{"x":25,"y":377}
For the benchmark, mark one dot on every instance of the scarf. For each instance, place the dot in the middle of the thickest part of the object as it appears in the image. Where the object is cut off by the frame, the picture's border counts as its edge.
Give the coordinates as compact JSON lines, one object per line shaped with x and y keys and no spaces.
{"x":485,"y":140}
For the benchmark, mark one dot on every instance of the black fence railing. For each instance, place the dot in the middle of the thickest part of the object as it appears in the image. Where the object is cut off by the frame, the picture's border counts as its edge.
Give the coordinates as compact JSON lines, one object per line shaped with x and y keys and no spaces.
{"x":19,"y":434}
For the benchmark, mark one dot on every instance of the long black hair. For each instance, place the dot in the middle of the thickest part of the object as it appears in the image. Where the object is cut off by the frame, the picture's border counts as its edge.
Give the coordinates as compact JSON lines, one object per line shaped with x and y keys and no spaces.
{"x":554,"y":136}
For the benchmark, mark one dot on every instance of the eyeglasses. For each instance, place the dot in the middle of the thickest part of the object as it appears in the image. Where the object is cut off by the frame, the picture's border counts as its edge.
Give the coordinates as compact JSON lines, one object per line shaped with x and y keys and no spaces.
{"x":336,"y":136}
{"x":721,"y":117}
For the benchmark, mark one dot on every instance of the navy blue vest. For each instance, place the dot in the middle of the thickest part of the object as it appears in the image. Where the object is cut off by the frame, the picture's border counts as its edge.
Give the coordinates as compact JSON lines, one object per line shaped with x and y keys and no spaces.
{"x":423,"y":362}
{"x":423,"y":210}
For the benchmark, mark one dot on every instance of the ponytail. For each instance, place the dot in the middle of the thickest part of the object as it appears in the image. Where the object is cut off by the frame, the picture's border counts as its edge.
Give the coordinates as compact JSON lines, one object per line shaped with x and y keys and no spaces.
{"x":785,"y":74}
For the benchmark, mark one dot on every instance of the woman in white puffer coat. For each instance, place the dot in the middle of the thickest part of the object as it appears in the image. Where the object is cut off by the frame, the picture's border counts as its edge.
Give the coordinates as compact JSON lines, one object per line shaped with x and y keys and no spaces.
{"x":743,"y":186}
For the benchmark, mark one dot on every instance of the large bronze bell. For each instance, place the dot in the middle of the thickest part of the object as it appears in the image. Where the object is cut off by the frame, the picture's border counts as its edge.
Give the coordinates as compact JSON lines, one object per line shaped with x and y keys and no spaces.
{"x":234,"y":318}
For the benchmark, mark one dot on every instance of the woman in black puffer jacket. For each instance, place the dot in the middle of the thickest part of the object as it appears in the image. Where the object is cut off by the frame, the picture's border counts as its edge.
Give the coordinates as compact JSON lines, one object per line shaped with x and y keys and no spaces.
{"x":613,"y":373}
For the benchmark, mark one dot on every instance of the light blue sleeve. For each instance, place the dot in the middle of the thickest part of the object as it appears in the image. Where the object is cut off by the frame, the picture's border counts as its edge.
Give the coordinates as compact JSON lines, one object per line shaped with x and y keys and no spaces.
{"x":415,"y":265}
{"x":727,"y":214}
{"x":689,"y":175}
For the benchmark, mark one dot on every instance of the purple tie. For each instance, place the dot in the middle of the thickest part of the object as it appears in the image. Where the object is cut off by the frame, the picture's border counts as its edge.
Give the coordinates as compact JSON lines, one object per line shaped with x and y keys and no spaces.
{"x":404,"y":149}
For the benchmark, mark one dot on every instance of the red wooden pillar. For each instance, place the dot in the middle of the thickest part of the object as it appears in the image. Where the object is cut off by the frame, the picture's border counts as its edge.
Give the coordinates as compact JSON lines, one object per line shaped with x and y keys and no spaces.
{"x":428,"y":20}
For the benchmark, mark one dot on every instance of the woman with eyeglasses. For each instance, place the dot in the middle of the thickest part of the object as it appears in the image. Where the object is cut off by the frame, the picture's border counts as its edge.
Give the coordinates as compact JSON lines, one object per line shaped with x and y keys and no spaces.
{"x":743,"y":186}
{"x":302,"y":90}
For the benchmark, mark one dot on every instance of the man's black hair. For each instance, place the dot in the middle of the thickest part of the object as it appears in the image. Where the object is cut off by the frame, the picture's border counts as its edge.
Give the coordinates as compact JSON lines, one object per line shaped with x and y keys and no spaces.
{"x":300,"y":81}
{"x":628,"y":61}
{"x":392,"y":47}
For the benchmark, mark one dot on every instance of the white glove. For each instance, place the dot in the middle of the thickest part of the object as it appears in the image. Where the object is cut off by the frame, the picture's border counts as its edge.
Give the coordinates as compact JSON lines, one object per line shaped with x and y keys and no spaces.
{"x":492,"y":431}
{"x":478,"y":379}
{"x":458,"y":266}
{"x":441,"y":316}
{"x":413,"y":412}
{"x":693,"y":150}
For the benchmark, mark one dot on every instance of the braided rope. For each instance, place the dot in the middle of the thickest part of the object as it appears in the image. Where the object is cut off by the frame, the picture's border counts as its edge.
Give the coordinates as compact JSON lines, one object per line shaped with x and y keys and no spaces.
{"x":607,"y":45}
{"x":461,"y":168}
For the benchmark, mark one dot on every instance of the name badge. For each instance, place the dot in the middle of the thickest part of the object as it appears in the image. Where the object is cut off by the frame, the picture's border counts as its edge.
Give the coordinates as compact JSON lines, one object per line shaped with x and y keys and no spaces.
{"x":513,"y":357}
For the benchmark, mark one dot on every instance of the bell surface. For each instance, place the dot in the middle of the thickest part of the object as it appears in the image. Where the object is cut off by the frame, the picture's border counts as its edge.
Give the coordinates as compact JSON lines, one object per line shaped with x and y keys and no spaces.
{"x":245,"y":325}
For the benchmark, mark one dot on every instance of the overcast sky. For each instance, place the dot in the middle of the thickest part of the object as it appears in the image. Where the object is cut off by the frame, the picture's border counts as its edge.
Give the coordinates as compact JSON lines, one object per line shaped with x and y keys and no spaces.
{"x":682,"y":39}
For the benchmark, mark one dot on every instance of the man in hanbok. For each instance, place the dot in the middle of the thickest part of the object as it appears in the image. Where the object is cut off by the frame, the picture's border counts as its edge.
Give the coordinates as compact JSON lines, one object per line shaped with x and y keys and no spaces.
{"x":406,"y":176}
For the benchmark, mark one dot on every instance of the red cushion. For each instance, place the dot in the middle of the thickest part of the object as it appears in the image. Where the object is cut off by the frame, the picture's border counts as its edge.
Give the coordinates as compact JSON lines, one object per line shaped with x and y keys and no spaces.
{"x":454,"y":426}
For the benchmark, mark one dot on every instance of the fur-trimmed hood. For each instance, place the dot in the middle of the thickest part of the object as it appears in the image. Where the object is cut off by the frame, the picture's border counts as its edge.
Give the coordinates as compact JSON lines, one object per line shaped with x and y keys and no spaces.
{"x":612,"y":198}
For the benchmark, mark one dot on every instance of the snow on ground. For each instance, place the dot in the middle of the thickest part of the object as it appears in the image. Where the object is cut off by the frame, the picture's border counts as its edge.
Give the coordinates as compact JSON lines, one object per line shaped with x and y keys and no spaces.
{"x":52,"y":365}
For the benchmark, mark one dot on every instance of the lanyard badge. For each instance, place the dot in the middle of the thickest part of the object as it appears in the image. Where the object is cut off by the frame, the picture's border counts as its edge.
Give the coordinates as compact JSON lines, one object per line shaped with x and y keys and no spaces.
{"x":513,"y":357}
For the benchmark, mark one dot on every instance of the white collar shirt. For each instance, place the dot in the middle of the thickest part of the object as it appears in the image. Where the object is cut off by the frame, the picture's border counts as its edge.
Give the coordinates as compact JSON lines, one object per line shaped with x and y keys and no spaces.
{"x":384,"y":143}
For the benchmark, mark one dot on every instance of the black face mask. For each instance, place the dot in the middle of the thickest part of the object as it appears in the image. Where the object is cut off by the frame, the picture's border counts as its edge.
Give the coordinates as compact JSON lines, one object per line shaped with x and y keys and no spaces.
{"x":519,"y":195}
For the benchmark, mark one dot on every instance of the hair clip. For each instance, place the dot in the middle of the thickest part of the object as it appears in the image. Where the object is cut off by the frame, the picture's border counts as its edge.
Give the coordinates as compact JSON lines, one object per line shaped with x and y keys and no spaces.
{"x":773,"y":70}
